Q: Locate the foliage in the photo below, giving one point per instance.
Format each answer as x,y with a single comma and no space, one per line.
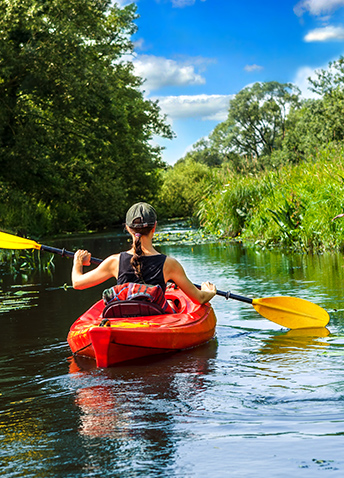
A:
75,129
257,121
257,117
205,152
232,204
183,187
277,165
292,206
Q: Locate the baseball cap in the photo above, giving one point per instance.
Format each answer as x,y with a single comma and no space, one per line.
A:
141,215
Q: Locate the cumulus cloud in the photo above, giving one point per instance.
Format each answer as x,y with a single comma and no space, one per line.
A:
301,80
205,107
161,72
250,68
317,7
328,33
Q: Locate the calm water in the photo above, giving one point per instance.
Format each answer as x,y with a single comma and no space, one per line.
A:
256,401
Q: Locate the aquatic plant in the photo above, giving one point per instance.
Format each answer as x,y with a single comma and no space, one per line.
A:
24,262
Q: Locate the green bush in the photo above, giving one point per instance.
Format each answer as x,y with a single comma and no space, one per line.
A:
182,189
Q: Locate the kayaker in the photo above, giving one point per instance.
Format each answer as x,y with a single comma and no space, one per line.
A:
142,263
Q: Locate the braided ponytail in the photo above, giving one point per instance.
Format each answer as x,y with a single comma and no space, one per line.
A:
136,259
138,252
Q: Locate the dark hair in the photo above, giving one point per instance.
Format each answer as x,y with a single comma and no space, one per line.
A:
138,253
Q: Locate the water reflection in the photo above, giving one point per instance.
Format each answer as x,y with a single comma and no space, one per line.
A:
136,404
194,413
294,342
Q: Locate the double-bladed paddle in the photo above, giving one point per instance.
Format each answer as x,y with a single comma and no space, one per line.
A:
289,312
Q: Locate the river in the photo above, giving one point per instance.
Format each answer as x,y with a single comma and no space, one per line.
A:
256,401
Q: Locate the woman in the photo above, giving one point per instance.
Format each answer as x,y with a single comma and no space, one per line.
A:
142,263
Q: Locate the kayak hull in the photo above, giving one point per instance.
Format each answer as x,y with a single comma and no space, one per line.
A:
129,338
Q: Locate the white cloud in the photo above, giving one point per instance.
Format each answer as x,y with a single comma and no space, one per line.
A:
301,80
205,107
317,7
250,68
160,72
324,34
139,44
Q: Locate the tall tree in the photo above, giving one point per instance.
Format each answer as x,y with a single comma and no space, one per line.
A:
75,129
257,118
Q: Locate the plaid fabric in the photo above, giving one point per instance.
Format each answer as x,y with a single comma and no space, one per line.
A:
133,291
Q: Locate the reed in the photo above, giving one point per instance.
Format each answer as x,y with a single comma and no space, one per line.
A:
25,262
292,206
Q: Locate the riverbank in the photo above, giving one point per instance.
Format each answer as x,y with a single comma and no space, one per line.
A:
292,206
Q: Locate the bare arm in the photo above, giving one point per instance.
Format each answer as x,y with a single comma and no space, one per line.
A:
107,269
174,271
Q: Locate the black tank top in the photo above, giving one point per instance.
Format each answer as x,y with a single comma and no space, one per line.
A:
152,270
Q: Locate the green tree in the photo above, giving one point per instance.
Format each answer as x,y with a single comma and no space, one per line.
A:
75,129
203,151
214,150
257,121
184,185
257,118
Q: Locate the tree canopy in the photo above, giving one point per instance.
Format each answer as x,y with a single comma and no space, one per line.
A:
254,129
257,117
75,129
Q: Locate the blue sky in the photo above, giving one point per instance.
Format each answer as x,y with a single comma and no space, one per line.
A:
196,54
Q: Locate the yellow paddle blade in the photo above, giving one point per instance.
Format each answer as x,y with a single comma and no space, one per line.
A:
291,312
7,241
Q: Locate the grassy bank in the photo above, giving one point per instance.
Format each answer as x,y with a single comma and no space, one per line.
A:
292,206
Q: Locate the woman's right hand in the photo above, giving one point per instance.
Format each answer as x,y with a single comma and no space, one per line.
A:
209,287
82,257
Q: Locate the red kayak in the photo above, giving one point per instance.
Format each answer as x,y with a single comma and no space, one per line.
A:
128,330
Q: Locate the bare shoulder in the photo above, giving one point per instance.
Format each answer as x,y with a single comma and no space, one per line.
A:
111,259
112,263
172,269
171,263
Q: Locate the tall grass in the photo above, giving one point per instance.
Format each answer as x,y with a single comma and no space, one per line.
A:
292,206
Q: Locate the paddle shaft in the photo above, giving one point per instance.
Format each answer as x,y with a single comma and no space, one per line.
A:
65,253
230,295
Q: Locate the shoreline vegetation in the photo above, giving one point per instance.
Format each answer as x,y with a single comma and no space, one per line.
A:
291,207
76,142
